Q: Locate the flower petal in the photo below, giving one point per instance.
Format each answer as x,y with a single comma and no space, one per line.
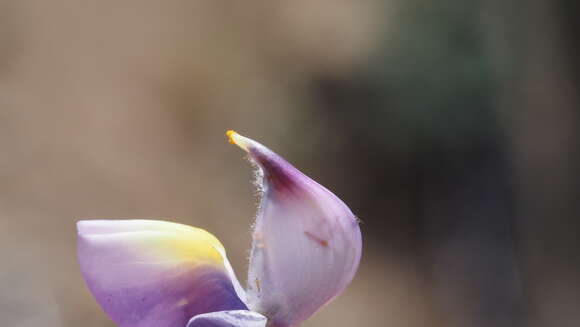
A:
236,318
306,242
148,273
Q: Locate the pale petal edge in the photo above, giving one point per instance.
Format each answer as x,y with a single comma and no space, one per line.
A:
235,318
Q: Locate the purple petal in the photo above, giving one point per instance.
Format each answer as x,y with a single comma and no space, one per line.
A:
306,242
153,273
237,318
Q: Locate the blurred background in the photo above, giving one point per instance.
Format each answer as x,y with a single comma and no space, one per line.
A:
450,128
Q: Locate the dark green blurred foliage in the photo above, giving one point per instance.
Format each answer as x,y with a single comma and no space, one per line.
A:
431,120
438,77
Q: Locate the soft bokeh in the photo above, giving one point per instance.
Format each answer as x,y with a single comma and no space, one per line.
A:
450,128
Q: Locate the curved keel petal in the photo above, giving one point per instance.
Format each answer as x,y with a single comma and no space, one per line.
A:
236,318
153,273
306,242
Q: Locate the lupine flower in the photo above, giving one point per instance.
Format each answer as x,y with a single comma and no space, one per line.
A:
306,249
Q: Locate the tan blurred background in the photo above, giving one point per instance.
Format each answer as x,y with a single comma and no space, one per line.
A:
450,127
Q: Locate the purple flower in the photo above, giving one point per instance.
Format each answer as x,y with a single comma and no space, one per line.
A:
305,251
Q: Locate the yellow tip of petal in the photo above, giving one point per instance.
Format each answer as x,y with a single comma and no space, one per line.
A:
230,134
241,141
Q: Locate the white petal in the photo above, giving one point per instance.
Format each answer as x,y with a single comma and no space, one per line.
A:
306,242
236,318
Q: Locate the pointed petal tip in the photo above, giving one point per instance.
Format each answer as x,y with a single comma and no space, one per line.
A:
278,173
243,142
230,134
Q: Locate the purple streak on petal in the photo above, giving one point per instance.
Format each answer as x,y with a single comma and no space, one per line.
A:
237,318
279,174
170,302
